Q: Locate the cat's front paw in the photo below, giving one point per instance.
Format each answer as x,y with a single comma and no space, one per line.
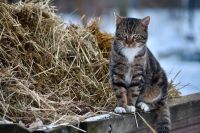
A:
130,109
143,106
120,110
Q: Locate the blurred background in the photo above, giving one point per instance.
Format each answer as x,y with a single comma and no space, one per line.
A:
173,31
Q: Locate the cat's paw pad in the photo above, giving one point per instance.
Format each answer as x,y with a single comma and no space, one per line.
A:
143,106
120,110
130,109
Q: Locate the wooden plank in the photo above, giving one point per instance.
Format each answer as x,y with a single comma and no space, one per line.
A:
12,128
183,110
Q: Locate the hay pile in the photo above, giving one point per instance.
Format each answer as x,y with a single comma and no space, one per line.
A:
49,72
104,39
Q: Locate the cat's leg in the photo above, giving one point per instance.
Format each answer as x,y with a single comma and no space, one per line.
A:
148,98
121,96
134,90
136,87
147,101
132,97
144,106
147,107
119,87
156,98
120,91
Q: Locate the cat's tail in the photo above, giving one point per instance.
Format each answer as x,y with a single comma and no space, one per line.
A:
163,121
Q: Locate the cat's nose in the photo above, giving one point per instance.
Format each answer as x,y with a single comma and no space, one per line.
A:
129,40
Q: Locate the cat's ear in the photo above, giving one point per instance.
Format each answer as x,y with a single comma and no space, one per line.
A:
118,18
145,21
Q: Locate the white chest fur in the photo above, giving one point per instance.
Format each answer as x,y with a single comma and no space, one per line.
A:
130,54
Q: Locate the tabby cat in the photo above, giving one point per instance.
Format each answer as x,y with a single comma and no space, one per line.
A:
136,76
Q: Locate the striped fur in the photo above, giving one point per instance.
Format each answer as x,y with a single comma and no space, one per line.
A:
136,76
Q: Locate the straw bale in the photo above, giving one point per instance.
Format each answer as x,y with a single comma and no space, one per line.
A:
48,71
104,39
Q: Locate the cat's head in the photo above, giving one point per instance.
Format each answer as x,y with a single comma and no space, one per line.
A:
131,32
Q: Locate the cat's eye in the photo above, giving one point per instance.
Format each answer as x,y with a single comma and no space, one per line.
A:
119,36
135,35
139,37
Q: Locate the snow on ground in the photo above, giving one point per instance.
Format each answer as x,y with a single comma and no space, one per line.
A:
168,33
98,117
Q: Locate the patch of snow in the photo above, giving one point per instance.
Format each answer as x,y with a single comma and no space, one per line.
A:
4,121
98,117
71,19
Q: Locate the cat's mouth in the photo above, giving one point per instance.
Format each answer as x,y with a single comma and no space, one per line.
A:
132,45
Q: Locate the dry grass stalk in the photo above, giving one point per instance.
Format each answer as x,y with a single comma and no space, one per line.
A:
174,88
104,39
143,119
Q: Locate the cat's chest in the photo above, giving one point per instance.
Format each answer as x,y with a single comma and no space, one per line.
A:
130,53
